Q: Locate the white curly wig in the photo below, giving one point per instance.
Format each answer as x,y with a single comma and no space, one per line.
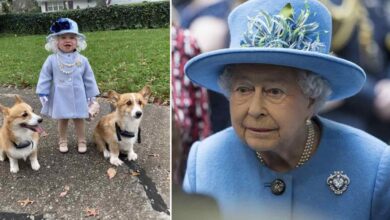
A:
312,86
52,44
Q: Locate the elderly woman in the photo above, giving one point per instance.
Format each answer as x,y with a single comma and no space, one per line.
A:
279,160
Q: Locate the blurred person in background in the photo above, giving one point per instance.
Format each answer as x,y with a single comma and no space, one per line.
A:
361,35
206,21
185,206
189,101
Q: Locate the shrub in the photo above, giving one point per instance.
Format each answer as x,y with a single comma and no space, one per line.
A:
133,16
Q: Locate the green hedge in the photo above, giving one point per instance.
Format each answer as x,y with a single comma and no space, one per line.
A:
133,16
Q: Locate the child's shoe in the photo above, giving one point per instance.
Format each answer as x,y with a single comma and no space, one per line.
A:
63,146
82,146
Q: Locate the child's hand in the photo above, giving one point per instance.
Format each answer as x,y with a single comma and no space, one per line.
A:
43,100
93,109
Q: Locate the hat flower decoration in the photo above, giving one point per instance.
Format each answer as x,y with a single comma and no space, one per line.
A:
59,25
64,26
282,31
289,33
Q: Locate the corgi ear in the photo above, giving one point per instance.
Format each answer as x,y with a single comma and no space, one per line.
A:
4,109
145,92
113,95
18,99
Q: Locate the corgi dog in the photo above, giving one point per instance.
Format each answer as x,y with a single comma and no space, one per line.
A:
19,134
118,131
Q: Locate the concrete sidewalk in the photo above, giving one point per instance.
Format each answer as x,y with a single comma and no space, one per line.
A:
140,190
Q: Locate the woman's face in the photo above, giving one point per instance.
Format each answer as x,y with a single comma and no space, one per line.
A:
268,108
67,43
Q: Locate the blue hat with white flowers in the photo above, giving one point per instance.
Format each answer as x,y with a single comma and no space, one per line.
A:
64,26
291,33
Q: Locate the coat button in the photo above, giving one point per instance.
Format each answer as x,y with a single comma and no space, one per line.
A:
278,187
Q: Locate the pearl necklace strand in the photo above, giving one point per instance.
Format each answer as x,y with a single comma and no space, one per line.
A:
306,154
61,65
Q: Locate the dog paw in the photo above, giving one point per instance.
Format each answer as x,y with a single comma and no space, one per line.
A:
106,154
14,169
35,165
116,161
132,156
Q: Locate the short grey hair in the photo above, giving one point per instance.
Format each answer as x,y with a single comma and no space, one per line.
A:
52,44
312,86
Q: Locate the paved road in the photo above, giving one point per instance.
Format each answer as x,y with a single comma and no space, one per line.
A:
126,196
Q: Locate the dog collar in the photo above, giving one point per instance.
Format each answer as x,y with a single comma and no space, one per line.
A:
124,133
23,144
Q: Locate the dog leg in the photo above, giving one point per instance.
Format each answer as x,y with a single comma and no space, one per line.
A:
34,161
101,145
106,154
132,155
114,154
13,164
2,156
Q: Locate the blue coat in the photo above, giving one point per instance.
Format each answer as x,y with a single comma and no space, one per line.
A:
67,93
223,167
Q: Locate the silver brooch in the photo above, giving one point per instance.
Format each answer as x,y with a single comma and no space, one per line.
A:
338,182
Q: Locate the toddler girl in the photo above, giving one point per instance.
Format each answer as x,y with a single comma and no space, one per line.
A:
66,85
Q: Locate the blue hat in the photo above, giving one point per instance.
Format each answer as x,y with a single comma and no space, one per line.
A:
291,33
64,26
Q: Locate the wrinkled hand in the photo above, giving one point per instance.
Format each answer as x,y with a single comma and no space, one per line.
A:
43,100
382,99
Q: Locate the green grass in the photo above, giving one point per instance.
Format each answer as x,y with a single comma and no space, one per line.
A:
123,60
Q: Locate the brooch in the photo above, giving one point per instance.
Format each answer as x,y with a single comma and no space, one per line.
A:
338,182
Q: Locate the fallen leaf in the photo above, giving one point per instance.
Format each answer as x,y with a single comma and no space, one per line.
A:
91,212
111,172
157,101
62,194
25,202
44,134
153,155
135,173
66,189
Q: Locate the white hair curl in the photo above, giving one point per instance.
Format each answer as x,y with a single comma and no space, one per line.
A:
52,44
312,86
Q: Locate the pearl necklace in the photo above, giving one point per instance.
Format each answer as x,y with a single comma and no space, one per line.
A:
61,65
306,154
